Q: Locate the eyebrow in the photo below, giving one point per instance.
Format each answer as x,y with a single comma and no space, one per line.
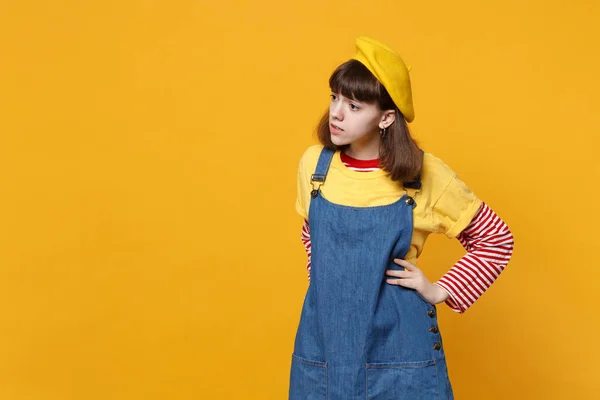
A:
354,100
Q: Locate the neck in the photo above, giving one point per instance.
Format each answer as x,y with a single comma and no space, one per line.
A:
366,149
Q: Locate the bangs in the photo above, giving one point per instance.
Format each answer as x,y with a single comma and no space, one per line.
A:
353,80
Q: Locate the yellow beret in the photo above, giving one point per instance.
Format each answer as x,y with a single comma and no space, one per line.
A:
390,71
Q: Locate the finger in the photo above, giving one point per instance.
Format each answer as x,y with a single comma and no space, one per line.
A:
399,274
405,264
408,283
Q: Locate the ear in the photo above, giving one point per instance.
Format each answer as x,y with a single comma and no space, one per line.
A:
387,118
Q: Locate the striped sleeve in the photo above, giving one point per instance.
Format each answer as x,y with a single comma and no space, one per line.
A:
489,244
305,236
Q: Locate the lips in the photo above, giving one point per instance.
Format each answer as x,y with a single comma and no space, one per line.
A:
335,129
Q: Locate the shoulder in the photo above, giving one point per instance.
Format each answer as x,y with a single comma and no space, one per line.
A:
440,182
310,157
452,203
435,174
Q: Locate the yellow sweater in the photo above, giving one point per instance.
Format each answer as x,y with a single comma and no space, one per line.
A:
444,204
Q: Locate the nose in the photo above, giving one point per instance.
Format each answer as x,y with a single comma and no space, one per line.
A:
336,111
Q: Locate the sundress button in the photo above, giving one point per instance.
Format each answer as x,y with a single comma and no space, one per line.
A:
437,346
434,329
410,201
313,193
431,313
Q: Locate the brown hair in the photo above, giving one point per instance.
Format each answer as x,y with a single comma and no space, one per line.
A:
399,153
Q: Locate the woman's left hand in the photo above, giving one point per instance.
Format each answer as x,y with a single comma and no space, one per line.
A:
413,278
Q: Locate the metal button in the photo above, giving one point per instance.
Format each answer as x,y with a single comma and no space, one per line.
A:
431,313
410,201
437,346
434,329
313,193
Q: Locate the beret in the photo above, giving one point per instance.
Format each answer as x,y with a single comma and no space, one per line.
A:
389,69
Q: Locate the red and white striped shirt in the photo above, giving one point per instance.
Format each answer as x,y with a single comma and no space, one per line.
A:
487,239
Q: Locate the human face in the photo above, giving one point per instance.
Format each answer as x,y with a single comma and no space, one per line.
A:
354,123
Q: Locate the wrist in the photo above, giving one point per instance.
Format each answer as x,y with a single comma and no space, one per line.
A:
441,294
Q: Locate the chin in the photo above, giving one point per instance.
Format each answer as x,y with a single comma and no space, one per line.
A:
338,141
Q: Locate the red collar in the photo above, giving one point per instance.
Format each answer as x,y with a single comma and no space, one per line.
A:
353,162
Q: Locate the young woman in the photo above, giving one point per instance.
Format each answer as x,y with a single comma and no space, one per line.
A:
370,197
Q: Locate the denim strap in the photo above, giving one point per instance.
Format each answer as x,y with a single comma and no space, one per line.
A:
322,166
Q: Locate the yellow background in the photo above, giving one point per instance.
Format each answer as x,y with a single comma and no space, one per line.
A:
149,245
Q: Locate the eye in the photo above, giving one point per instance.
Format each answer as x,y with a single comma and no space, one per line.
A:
333,96
354,107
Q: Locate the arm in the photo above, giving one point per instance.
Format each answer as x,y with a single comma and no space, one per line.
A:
489,244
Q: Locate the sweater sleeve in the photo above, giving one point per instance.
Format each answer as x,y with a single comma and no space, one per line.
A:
489,244
305,236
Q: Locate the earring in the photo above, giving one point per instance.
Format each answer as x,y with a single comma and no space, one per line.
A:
383,131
